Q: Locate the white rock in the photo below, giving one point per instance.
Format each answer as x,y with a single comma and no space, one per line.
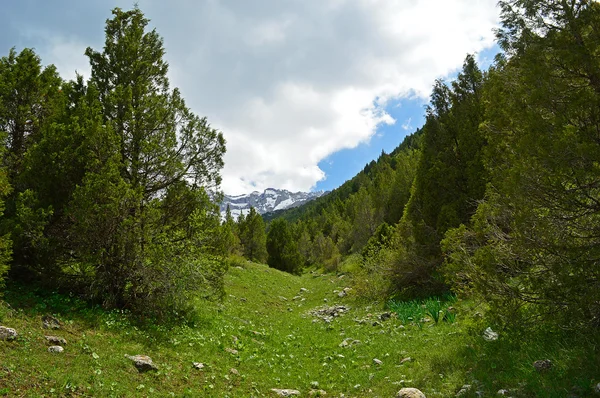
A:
56,340
490,335
7,333
286,392
464,390
143,363
198,365
377,361
56,349
410,393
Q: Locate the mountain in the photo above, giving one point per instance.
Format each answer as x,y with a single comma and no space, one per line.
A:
268,201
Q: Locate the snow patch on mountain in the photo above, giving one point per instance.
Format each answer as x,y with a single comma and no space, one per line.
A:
270,200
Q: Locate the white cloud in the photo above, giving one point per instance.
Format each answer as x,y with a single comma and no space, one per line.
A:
291,82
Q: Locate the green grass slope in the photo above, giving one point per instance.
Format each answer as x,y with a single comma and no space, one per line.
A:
264,336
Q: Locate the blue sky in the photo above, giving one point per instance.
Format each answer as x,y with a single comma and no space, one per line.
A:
409,114
305,92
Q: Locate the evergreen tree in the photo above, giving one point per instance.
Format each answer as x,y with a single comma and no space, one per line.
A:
282,248
253,236
143,226
533,249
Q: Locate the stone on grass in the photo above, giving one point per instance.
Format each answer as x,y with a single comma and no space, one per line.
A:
597,388
198,365
405,360
317,393
348,342
303,290
56,340
385,316
286,392
50,322
410,393
503,392
234,371
55,349
542,365
490,335
377,361
464,390
7,333
232,351
143,363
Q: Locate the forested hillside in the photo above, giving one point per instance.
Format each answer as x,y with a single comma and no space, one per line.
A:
497,194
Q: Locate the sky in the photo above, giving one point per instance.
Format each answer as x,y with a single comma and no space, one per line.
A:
306,92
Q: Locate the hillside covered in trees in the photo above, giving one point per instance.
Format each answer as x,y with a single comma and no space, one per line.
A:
496,195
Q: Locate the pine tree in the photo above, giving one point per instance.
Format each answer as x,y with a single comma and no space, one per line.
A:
282,248
143,220
253,236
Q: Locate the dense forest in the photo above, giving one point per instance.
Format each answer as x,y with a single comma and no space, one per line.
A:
109,184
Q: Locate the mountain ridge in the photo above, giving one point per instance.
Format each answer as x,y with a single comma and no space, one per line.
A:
271,199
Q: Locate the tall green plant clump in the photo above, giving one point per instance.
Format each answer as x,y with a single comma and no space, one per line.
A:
127,220
533,247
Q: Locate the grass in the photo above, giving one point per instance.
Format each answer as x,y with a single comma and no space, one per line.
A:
265,318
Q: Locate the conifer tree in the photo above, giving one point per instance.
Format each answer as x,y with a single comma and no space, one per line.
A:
143,221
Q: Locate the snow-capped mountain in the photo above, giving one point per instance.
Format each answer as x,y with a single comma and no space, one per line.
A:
270,200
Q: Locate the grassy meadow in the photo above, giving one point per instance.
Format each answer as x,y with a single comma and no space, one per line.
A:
263,335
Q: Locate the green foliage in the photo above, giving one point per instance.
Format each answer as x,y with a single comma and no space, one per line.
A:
5,242
532,247
414,311
109,177
253,237
282,248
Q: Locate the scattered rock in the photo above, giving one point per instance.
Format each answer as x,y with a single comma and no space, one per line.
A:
405,360
282,298
464,390
296,298
542,365
503,392
344,292
198,365
490,335
348,342
314,384
328,313
55,340
377,361
285,392
317,393
7,333
143,363
55,349
232,351
234,371
303,290
385,316
597,388
50,322
410,393
376,323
